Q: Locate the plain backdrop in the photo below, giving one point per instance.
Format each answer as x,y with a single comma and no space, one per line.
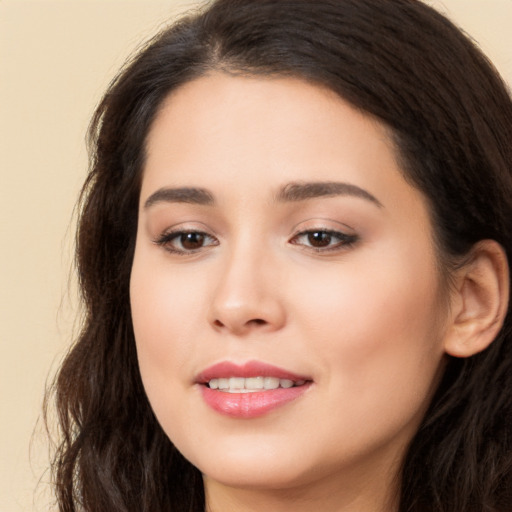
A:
56,59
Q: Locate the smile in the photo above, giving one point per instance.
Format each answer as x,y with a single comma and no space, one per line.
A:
249,390
252,384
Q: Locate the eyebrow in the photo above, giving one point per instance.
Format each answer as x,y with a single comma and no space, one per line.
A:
299,191
292,192
190,195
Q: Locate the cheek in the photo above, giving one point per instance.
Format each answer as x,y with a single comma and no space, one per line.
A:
374,334
165,313
376,326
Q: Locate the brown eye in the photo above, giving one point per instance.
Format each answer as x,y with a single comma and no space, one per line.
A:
324,240
192,241
319,238
186,242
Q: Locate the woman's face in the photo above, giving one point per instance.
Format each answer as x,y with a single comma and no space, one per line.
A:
279,245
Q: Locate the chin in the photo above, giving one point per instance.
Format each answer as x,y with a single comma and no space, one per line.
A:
255,477
251,465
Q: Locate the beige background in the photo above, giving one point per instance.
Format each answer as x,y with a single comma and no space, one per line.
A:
56,58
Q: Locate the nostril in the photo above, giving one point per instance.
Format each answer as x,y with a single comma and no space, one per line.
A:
253,322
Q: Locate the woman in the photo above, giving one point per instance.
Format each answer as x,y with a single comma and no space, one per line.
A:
293,250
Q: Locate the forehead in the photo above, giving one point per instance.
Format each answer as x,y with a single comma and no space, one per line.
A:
259,106
244,134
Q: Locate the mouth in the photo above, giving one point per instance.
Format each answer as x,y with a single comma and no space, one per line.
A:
252,384
250,390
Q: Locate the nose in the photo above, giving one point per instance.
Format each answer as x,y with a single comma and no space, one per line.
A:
247,298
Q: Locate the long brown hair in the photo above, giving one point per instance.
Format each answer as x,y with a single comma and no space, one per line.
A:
451,118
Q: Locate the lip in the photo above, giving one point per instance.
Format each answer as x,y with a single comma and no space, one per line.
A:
227,369
254,404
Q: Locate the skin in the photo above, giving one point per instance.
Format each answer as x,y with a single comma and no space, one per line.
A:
367,321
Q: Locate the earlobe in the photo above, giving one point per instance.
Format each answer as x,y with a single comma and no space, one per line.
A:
479,301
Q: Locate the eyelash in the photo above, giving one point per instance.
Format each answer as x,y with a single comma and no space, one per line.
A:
165,240
345,241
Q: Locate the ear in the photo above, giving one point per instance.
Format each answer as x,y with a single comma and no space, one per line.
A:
479,301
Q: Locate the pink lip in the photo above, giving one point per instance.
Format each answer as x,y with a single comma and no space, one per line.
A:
249,405
249,369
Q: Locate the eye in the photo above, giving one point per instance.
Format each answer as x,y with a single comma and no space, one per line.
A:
186,242
323,240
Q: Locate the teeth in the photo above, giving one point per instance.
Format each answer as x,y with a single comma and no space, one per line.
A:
223,384
254,383
251,384
236,383
270,382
